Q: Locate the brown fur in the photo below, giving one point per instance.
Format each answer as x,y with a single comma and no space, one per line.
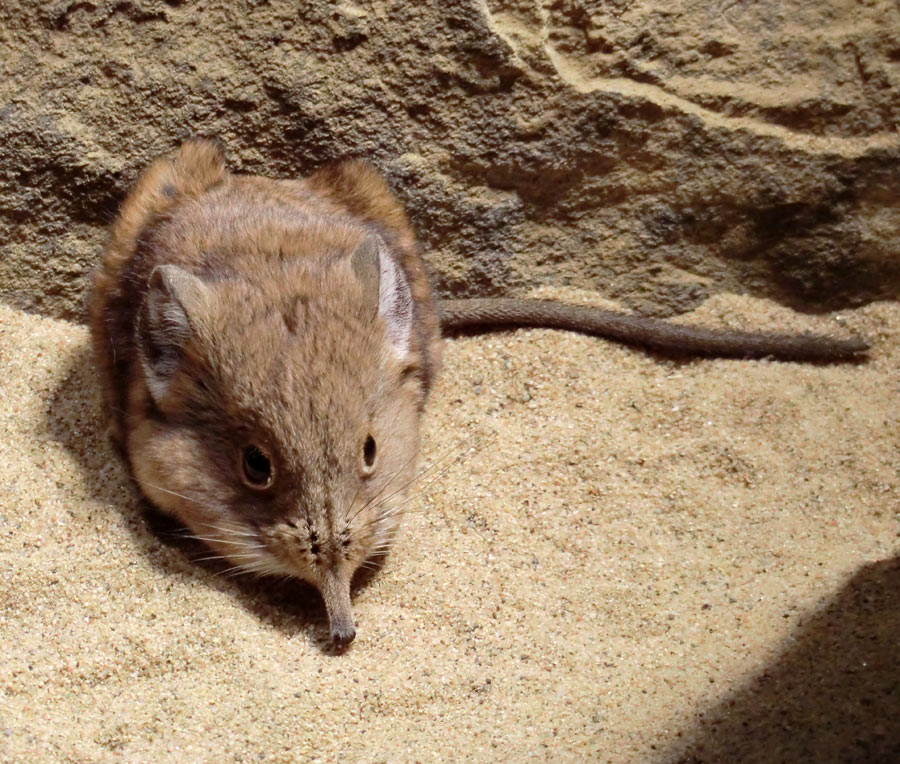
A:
283,352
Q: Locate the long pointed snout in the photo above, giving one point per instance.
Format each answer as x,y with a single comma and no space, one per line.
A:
335,591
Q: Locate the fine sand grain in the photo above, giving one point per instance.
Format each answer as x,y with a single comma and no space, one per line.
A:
629,556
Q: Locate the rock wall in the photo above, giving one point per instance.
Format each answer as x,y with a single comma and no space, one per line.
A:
654,151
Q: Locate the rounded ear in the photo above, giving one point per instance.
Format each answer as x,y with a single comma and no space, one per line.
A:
359,188
166,321
196,167
386,289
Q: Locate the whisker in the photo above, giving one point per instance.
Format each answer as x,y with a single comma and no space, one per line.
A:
243,544
239,568
440,462
386,537
256,566
355,497
393,477
179,495
398,509
236,530
437,474
435,471
388,533
222,557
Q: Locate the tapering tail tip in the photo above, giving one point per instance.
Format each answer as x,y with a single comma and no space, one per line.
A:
335,591
830,349
857,345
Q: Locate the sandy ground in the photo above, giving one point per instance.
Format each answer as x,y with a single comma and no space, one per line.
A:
641,560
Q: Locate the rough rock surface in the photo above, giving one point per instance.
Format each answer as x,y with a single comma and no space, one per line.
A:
656,152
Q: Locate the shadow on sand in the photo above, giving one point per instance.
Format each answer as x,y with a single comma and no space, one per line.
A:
832,696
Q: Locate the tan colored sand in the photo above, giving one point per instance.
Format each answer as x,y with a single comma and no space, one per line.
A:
634,542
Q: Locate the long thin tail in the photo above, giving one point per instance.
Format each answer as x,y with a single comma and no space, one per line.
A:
650,332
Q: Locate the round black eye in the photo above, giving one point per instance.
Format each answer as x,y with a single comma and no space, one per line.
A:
369,451
256,468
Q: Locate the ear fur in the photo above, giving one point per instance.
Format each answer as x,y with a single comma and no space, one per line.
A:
359,188
195,168
385,285
365,265
165,323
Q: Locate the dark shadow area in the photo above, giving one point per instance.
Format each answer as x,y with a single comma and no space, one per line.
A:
833,695
73,418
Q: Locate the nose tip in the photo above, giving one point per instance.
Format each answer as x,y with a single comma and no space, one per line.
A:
335,589
342,637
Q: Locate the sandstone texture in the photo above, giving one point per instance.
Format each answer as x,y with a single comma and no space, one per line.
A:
654,152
